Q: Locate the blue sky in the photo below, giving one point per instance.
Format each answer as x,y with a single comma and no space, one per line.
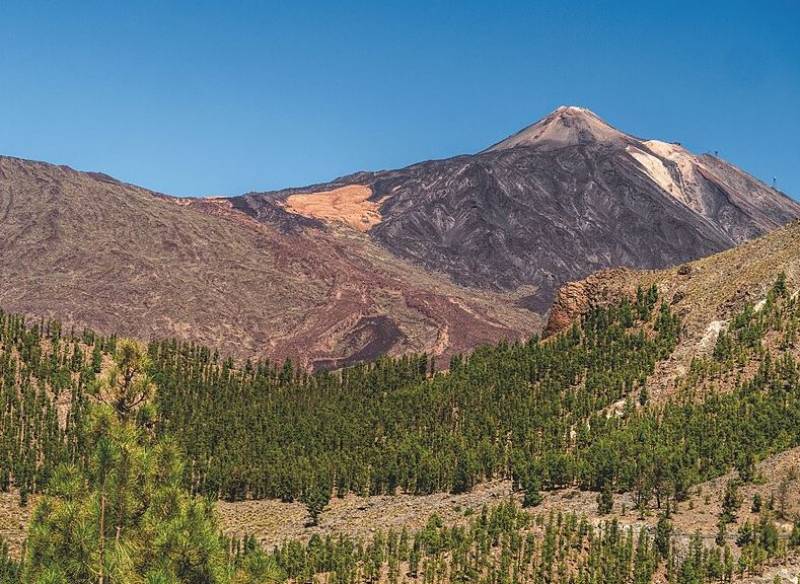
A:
194,98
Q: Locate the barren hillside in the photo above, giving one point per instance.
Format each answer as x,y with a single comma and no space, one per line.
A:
439,257
95,252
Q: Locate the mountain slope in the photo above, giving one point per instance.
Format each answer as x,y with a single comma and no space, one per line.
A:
704,290
93,251
707,294
558,200
566,126
440,256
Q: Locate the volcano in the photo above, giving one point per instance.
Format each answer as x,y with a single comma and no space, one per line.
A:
558,200
438,257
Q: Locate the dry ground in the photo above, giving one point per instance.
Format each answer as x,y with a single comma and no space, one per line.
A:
349,204
273,522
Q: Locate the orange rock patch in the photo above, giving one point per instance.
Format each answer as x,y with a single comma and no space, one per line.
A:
348,205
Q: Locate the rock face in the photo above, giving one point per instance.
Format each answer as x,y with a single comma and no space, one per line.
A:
561,199
575,299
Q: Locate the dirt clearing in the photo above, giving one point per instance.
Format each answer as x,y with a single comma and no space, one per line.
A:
349,205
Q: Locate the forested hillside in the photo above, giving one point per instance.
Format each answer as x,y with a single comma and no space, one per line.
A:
261,430
574,410
501,411
44,377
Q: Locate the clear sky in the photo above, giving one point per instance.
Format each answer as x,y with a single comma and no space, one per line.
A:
194,98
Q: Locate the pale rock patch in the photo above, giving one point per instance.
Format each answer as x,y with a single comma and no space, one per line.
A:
712,332
349,205
655,168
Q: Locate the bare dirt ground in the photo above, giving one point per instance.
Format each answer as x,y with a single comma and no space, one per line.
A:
14,520
778,478
349,205
273,522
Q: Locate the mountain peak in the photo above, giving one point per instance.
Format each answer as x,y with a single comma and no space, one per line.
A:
573,109
567,125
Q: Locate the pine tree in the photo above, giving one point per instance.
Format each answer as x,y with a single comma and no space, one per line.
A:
731,502
316,497
605,500
531,487
663,535
9,568
125,516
